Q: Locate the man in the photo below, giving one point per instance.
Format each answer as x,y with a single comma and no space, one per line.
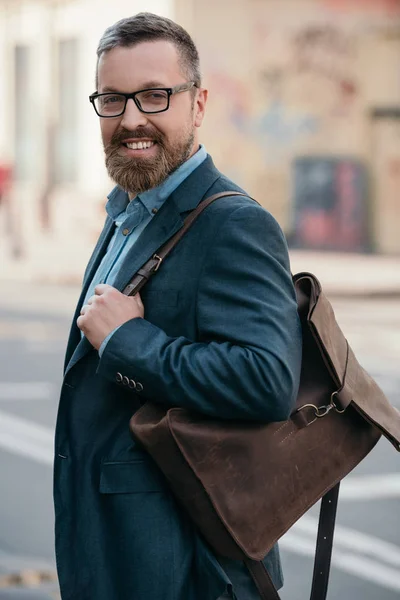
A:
215,330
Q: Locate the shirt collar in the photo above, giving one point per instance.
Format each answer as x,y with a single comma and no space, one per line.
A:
152,200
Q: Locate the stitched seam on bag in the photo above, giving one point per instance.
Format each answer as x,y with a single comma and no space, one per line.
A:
286,423
288,436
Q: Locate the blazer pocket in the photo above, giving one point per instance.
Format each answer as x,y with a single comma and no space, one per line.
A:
132,477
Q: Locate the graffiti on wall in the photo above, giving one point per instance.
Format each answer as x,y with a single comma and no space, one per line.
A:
328,53
275,125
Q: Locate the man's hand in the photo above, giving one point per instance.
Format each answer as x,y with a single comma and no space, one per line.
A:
105,311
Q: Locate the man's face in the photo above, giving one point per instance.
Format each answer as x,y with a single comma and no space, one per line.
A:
173,133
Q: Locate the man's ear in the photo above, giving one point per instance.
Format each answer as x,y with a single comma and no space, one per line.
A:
200,106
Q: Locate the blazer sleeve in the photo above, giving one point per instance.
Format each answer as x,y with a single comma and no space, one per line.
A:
246,362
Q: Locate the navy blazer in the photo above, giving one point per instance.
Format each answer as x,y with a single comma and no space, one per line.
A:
220,336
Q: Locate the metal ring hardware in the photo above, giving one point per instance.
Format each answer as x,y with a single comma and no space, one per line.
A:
322,411
334,405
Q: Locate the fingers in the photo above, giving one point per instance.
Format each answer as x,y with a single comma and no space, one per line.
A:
80,322
102,288
84,308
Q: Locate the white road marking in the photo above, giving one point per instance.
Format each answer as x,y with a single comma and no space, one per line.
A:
353,540
34,330
13,562
370,487
27,390
54,347
26,438
360,566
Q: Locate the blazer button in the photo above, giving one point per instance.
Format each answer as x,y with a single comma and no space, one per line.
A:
139,387
132,384
125,380
118,378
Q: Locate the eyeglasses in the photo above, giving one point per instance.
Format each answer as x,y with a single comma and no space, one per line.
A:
149,101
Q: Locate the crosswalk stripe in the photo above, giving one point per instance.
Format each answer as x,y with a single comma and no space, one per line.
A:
26,439
370,487
354,540
354,564
26,390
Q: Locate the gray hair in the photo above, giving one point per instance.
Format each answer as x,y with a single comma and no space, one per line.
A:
148,27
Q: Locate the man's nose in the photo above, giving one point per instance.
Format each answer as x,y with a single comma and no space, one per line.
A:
132,116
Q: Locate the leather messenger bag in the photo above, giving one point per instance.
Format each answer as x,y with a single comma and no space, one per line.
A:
277,471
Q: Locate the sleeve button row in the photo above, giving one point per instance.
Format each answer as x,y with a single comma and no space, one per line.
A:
134,385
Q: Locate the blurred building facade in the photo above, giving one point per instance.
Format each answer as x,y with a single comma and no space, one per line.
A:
304,112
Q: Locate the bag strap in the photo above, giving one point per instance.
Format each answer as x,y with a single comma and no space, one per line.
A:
153,264
323,554
327,516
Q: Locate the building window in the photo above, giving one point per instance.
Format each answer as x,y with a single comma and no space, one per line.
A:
24,142
66,131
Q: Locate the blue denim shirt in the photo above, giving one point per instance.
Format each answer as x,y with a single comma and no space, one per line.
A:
131,218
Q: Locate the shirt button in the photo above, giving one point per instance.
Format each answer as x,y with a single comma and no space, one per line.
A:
125,232
154,211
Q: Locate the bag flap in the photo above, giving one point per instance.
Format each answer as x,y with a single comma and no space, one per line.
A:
355,385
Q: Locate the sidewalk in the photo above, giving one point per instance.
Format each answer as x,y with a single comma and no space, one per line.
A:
343,275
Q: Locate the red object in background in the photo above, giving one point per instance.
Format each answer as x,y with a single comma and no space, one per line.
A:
330,204
5,179
317,228
349,228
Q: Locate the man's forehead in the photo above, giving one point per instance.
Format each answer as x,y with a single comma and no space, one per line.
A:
148,64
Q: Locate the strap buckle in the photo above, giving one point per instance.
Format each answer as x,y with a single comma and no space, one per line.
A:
156,257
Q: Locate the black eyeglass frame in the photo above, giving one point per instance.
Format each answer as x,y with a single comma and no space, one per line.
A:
177,89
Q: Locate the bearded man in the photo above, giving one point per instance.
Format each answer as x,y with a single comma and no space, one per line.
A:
215,331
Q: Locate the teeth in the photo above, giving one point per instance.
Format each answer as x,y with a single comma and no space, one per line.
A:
139,145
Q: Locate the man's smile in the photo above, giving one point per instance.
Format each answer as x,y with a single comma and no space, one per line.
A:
146,147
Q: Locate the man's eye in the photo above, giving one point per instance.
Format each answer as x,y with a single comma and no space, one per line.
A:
111,99
154,96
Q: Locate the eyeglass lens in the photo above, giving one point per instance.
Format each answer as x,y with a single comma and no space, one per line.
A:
149,101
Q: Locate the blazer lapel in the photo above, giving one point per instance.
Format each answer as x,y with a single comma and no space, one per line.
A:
166,222
76,344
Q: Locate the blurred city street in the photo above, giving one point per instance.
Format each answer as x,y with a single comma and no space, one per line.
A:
303,113
34,322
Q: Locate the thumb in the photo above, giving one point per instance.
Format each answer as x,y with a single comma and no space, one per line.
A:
139,300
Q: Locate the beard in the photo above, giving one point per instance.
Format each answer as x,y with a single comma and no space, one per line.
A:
136,175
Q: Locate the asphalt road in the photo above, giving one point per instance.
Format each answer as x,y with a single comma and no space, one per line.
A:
33,331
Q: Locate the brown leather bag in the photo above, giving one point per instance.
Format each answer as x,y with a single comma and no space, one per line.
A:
277,470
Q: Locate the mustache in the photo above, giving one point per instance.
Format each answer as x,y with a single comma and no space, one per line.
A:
143,132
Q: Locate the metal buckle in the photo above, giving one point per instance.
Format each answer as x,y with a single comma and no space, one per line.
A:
156,257
334,405
319,411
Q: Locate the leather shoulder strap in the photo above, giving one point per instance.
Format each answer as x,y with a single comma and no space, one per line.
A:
153,264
